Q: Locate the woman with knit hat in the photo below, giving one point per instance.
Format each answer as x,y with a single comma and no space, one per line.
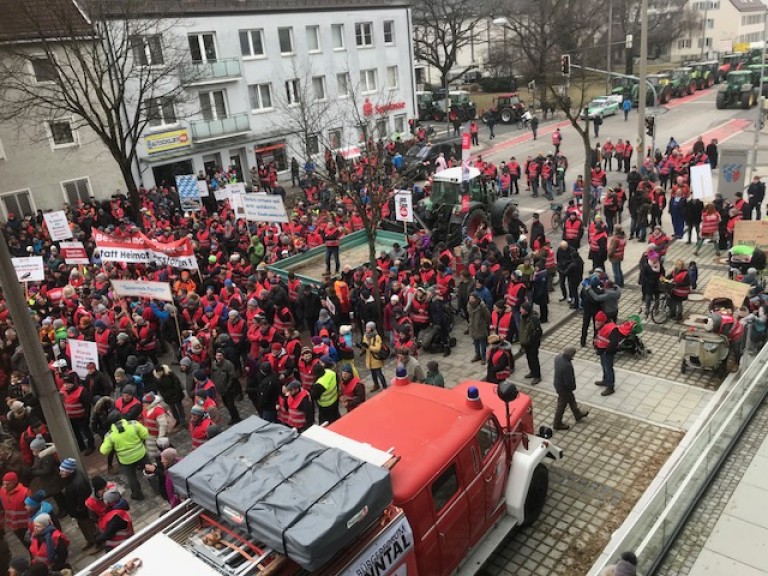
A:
168,458
48,544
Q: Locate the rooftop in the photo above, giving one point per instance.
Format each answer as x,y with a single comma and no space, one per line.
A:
749,5
31,20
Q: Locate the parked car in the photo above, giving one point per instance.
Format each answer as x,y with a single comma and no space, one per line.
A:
420,158
603,106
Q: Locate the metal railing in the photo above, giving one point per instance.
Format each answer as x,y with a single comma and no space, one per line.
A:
221,69
220,127
652,526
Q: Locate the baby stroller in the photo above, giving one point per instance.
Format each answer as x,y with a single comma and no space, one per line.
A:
704,350
631,341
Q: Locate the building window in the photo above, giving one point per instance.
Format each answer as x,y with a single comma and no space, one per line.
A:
400,121
710,23
392,77
318,86
147,50
202,47
261,96
707,42
292,91
313,144
313,38
382,128
43,69
334,138
160,111
368,80
285,37
337,36
76,190
364,34
342,83
213,104
252,43
389,31
684,43
61,134
18,203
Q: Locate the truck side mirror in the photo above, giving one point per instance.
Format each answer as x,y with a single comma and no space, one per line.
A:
507,391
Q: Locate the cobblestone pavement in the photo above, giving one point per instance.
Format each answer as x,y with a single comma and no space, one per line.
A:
697,529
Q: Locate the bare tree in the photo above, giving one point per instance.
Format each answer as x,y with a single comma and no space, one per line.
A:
442,28
109,69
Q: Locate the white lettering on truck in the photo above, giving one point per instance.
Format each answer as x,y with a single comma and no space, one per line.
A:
383,555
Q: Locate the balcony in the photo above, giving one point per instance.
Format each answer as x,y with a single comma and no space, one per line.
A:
203,130
211,71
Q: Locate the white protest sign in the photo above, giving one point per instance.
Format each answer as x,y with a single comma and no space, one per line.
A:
264,208
74,253
58,225
142,289
701,182
236,188
404,206
202,186
222,194
29,269
83,352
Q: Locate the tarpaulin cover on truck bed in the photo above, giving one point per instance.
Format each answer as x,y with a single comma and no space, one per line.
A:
295,495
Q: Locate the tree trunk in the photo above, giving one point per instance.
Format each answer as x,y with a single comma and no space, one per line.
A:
630,61
586,196
375,270
126,169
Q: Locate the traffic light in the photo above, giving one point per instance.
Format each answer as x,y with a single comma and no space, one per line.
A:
650,126
565,64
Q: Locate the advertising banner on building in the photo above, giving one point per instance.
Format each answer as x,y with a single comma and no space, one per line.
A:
83,352
733,168
404,206
73,253
138,249
189,193
164,141
142,289
264,208
58,225
29,269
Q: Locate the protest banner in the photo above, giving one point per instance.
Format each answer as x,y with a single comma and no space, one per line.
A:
29,269
73,253
264,208
751,233
138,249
189,194
58,225
142,289
701,182
83,352
222,194
720,287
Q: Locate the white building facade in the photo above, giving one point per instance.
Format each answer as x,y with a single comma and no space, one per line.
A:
253,66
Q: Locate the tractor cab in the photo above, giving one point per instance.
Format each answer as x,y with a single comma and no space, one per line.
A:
425,105
447,187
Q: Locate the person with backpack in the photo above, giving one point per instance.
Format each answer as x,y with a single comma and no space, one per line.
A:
375,354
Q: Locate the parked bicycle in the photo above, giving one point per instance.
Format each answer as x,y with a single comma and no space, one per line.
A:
556,222
662,309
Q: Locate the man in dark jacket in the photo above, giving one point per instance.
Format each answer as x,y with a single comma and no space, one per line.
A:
308,309
264,389
76,491
168,386
225,379
565,384
755,196
530,341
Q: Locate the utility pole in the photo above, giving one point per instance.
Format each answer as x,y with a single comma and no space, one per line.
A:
608,54
641,86
760,99
40,374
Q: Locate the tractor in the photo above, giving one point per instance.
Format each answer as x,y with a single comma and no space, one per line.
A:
507,109
460,103
683,82
731,62
756,70
705,73
425,102
663,85
739,89
624,87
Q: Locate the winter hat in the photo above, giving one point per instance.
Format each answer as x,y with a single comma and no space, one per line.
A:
37,444
98,483
346,368
401,372
370,326
122,337
185,362
18,407
432,366
168,454
344,330
43,520
201,375
149,398
293,385
327,360
163,443
129,389
119,373
111,497
10,477
197,411
68,465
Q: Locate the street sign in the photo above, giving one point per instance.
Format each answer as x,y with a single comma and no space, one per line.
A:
404,206
733,168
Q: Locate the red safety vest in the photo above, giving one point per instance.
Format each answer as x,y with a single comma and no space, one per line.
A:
293,289
595,239
38,547
150,419
295,417
123,407
731,327
72,404
682,286
102,342
618,249
283,319
16,516
572,229
198,432
236,330
550,261
501,323
96,505
419,312
121,535
515,294
710,223
603,337
305,373
331,236
495,358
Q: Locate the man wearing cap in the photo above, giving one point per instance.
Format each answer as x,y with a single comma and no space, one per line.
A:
116,524
565,384
12,496
501,363
199,422
224,377
126,439
76,492
325,391
295,408
77,405
413,369
352,389
17,418
204,386
128,405
606,345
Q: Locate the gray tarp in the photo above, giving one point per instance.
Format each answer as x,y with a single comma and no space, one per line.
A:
293,494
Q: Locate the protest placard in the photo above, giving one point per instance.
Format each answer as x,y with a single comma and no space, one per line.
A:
83,352
58,225
751,233
74,253
29,269
142,289
720,287
264,208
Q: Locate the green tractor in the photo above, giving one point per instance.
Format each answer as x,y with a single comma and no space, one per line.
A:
756,70
663,85
624,87
705,73
739,89
683,82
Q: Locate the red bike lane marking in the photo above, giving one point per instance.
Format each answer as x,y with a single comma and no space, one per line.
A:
685,99
722,132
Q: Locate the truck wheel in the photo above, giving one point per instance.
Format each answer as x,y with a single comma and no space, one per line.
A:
537,495
720,101
473,221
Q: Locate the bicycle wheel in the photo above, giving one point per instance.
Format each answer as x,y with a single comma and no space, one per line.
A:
660,311
557,222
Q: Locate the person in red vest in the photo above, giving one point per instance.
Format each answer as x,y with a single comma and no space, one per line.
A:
501,320
199,422
352,389
616,246
598,246
48,545
331,237
128,405
606,344
296,409
681,288
116,524
77,405
573,230
105,344
12,496
501,363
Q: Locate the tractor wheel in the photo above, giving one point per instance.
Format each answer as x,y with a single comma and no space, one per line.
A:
473,221
720,101
437,116
710,81
691,87
485,117
507,116
746,100
501,214
537,495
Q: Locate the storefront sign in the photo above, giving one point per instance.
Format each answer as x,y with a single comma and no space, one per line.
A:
189,193
142,289
138,249
264,208
369,108
58,225
82,353
348,152
751,233
733,168
74,253
29,269
163,141
404,206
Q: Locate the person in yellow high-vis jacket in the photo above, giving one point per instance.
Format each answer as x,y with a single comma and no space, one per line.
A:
325,391
126,439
